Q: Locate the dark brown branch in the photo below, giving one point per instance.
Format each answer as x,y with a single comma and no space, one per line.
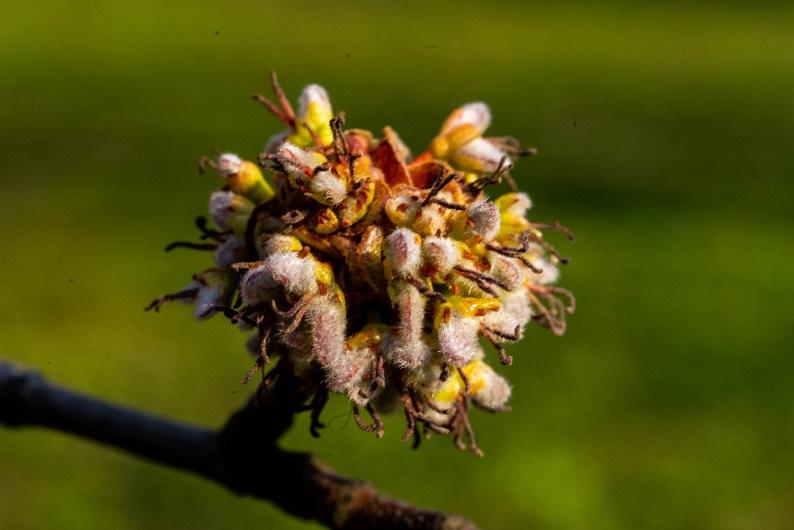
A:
241,456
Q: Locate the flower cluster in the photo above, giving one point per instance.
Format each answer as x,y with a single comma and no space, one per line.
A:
375,273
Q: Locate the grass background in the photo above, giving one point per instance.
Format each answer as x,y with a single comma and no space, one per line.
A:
665,133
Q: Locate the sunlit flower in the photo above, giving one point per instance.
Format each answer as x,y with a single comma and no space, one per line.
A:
371,273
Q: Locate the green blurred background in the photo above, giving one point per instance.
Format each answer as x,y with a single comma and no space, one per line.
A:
665,135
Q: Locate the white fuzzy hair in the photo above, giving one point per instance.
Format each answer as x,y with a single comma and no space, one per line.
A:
230,251
406,348
327,189
256,286
403,252
476,113
313,94
229,164
486,152
296,161
430,220
296,275
486,218
220,208
328,322
550,274
276,243
458,340
441,253
514,311
496,391
521,203
282,270
510,271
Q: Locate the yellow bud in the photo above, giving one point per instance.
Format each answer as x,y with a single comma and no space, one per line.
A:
355,205
464,306
400,209
250,182
440,147
469,177
467,163
326,222
370,337
325,274
476,372
461,135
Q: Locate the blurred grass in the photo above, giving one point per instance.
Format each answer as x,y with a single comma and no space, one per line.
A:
665,135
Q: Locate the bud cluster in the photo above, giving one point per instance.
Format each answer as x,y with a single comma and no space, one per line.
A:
377,274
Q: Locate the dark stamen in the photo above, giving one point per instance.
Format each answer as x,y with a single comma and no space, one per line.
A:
317,405
170,297
442,179
190,245
450,205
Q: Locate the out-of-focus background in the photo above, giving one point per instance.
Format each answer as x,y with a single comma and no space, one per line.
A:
665,135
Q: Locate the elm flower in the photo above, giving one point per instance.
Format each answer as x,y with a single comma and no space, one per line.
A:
391,279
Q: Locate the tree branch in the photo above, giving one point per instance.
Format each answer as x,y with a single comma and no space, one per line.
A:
241,456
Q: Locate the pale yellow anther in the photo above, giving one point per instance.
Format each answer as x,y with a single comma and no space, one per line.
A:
370,337
454,386
325,274
326,222
464,306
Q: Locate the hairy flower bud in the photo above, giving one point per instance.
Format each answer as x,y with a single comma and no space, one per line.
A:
460,141
327,320
402,252
405,347
245,178
441,254
230,211
485,219
491,390
314,115
230,251
214,290
458,341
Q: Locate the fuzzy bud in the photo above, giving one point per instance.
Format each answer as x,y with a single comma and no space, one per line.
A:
490,390
215,289
230,211
273,243
328,322
405,347
326,188
458,340
401,208
441,254
476,114
403,253
514,204
514,312
314,115
550,274
230,251
481,155
510,271
485,219
298,163
229,164
296,275
430,221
